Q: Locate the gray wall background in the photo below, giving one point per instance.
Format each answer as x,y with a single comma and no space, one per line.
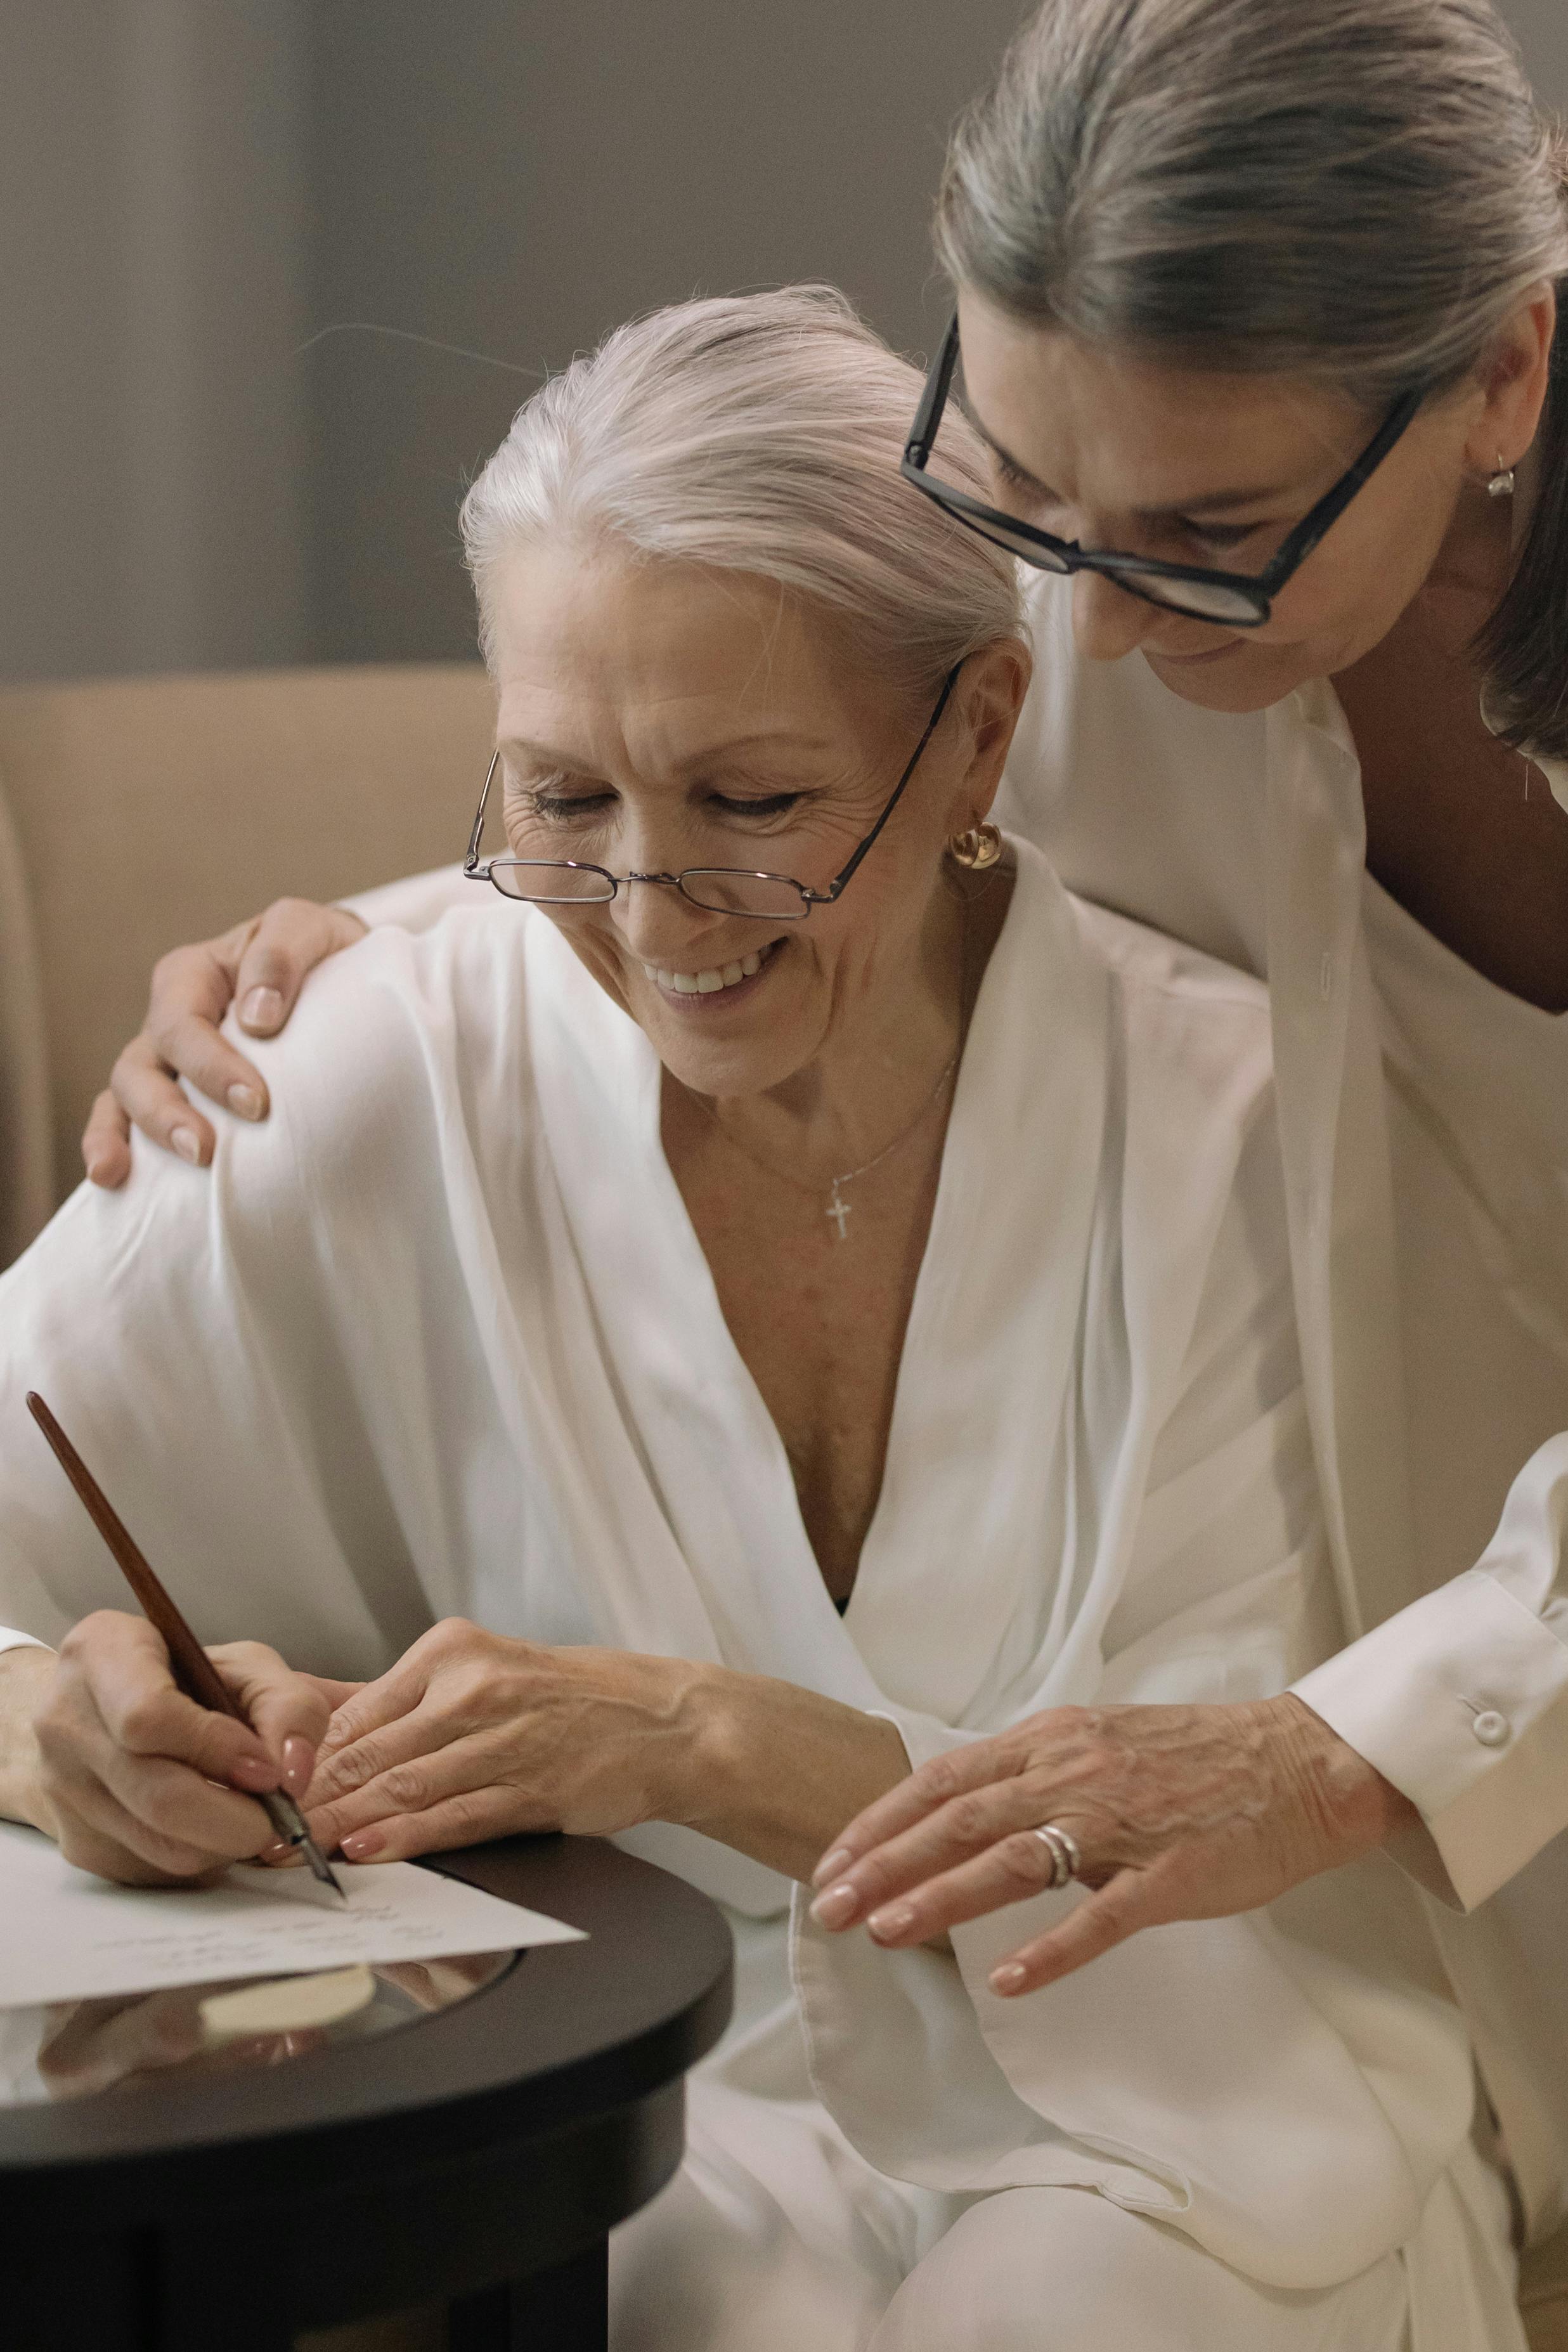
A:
194,190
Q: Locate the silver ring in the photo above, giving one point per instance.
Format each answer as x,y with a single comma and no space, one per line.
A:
1066,1861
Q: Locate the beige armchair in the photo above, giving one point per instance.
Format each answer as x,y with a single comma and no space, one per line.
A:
137,813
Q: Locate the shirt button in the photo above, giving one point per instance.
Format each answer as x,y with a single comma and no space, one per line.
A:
1491,1728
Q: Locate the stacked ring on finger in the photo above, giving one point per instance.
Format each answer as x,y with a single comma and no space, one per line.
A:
1066,1861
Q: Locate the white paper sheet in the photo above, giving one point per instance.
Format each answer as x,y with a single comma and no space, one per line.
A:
66,1935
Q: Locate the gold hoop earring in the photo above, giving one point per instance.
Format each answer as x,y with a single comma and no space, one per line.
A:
1501,484
979,850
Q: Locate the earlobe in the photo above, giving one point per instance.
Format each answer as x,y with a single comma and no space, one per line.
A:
977,850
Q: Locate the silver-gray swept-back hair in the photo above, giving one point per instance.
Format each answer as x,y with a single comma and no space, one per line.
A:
757,434
1355,193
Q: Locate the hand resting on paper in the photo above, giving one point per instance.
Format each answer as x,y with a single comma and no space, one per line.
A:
131,1779
1180,1812
473,1735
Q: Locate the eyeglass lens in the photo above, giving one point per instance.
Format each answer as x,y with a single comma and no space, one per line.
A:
1205,600
551,886
718,890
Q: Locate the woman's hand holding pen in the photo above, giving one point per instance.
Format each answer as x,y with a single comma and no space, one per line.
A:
134,1780
473,1735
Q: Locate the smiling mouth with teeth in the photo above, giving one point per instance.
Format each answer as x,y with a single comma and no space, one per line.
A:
714,979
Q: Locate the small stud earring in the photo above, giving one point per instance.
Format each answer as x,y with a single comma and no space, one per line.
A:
977,849
1502,483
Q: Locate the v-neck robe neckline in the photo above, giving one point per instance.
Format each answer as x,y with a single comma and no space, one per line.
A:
988,1323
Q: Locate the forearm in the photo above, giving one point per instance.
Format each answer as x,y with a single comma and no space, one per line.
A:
775,1770
25,1676
473,1734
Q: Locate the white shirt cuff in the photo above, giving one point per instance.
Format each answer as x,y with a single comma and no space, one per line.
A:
1461,1702
11,1640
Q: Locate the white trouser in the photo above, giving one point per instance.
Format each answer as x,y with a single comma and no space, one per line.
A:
776,2236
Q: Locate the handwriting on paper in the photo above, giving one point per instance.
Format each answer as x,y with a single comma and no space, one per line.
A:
71,1936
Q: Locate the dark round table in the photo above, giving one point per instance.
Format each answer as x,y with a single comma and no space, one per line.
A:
480,2154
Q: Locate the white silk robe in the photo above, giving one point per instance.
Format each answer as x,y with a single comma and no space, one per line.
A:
439,1339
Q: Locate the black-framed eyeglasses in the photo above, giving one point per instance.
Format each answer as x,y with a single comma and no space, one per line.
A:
1240,600
718,889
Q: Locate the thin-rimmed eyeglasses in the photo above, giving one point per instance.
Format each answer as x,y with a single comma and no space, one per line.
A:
718,889
1239,600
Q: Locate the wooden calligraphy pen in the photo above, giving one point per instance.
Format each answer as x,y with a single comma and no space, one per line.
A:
193,1671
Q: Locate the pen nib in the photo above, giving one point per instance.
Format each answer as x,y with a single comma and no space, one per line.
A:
289,1822
321,1868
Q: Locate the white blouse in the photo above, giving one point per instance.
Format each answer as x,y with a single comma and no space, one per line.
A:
1421,1114
1478,1103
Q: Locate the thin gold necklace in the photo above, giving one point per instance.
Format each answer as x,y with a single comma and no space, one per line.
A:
838,1209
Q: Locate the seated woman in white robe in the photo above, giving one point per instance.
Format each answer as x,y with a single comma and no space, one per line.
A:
684,1347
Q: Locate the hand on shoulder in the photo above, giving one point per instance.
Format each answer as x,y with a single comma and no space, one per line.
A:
261,964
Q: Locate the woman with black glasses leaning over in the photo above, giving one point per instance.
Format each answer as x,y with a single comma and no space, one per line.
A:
1257,306
1257,312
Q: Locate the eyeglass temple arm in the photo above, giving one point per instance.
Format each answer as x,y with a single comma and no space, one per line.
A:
846,873
934,399
471,863
1316,526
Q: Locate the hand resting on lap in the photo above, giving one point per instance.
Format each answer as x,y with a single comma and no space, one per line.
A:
1180,1812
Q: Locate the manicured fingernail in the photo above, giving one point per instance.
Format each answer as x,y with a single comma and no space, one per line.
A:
837,1908
97,1170
362,1843
298,1763
245,1102
1007,1978
188,1144
279,1851
831,1865
262,1009
255,1772
897,1920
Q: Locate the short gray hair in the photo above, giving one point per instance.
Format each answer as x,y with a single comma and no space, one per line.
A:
757,434
1355,193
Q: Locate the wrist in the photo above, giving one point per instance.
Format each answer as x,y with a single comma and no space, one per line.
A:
774,1769
1355,1808
705,1755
